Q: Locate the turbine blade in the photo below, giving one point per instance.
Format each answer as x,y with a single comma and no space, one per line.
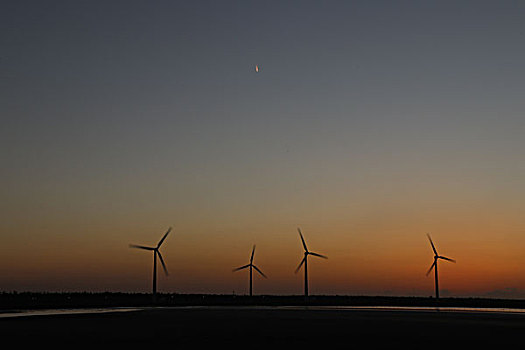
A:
445,258
319,255
253,252
141,247
162,262
257,269
163,238
301,264
431,267
302,239
240,268
432,244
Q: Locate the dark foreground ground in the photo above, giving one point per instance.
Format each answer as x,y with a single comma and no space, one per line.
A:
254,327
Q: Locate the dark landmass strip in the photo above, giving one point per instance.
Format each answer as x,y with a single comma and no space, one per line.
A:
27,300
256,328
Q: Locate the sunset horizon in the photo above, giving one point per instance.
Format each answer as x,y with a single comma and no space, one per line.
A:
367,124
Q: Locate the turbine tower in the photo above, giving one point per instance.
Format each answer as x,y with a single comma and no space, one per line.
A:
435,265
305,262
156,253
251,266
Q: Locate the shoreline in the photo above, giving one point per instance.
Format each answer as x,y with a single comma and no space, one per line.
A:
79,300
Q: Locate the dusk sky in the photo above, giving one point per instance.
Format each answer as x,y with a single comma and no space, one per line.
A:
368,125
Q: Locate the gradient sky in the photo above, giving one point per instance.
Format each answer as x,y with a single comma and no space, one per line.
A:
369,124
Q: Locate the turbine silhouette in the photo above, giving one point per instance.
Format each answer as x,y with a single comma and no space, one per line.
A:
305,262
435,265
251,266
156,253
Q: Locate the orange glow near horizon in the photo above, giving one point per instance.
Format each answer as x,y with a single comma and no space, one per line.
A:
391,262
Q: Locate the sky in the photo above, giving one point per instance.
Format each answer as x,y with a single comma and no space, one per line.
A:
368,125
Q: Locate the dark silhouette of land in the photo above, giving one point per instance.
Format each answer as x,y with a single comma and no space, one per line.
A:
27,300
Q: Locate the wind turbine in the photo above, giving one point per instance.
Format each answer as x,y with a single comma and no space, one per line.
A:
156,253
251,266
435,265
305,262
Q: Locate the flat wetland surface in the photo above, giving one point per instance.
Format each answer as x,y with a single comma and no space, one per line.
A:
252,326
